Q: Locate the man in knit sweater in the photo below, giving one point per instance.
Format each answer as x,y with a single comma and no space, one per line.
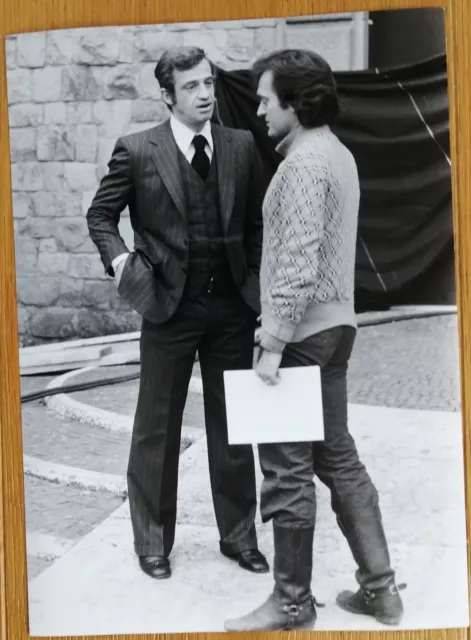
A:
310,216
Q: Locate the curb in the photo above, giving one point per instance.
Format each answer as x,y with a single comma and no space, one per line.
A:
75,476
68,407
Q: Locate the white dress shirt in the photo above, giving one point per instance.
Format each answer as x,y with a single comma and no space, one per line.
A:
184,140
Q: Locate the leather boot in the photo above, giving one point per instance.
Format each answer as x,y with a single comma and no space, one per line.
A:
384,604
378,595
291,604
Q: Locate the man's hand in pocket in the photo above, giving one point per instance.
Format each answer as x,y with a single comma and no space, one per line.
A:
118,267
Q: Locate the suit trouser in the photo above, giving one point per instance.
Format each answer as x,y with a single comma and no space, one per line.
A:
221,329
288,493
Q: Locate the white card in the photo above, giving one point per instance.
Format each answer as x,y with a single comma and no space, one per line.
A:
290,411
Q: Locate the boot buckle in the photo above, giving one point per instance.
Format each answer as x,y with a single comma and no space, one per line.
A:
292,611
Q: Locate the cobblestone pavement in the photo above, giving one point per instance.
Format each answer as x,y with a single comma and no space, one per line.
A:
410,364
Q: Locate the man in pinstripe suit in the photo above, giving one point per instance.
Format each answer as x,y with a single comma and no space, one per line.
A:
194,191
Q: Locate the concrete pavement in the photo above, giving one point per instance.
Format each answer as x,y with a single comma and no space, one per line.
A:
415,459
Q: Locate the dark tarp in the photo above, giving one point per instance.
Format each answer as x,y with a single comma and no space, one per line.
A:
395,122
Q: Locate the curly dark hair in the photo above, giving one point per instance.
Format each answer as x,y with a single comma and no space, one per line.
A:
179,59
303,80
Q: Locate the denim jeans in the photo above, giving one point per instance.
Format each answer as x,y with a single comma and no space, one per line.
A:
288,493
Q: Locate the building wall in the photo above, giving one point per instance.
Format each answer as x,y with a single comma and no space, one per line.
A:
71,94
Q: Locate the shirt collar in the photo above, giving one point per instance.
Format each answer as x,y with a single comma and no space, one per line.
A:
184,136
297,136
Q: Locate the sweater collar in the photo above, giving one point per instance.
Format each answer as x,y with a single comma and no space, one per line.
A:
297,136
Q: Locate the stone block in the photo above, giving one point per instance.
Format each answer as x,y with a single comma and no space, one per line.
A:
23,320
27,176
97,294
262,22
22,205
126,40
241,46
46,84
53,263
55,113
80,176
86,266
87,198
10,51
57,204
54,179
55,323
243,38
223,24
81,83
19,85
31,49
25,115
71,292
136,127
26,264
334,42
96,47
26,246
87,246
213,41
150,44
105,150
80,112
56,142
48,245
70,233
35,228
265,39
183,26
88,323
148,86
86,143
113,116
121,82
149,111
23,144
40,292
61,46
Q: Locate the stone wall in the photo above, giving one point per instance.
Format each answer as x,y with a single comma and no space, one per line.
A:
71,94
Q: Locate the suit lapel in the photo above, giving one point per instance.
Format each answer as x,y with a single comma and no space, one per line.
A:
165,157
225,160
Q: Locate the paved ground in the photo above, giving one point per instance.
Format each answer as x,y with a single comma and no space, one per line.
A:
410,364
423,514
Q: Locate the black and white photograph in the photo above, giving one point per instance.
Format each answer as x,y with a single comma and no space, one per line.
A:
237,318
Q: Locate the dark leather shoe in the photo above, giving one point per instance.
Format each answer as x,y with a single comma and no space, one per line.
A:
251,560
157,567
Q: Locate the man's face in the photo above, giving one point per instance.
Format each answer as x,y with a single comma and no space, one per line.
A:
193,100
280,121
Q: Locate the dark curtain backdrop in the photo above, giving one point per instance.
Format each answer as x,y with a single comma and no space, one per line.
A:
395,122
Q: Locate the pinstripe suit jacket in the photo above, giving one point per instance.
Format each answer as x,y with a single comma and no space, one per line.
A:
144,175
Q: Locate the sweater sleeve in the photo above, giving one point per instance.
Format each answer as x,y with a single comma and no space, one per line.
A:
299,227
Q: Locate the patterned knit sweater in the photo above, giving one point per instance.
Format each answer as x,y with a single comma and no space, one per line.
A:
310,215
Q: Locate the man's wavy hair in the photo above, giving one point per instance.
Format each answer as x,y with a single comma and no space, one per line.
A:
178,59
303,80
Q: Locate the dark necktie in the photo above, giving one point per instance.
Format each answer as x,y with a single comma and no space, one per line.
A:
200,161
